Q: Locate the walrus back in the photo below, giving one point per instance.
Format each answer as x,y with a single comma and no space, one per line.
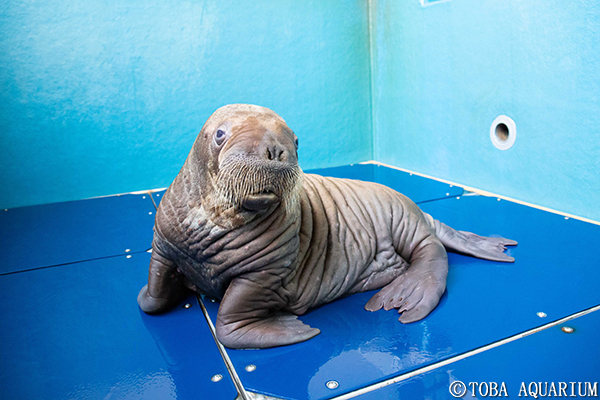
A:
347,239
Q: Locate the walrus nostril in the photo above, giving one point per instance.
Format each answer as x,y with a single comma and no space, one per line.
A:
275,153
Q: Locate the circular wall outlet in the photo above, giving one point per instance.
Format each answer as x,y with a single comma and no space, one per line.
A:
503,132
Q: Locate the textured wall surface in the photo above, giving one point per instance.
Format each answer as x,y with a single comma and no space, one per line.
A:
444,72
98,98
105,98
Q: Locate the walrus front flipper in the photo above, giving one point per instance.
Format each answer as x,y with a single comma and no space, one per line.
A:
165,286
488,248
248,318
418,290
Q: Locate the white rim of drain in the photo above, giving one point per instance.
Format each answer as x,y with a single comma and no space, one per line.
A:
503,132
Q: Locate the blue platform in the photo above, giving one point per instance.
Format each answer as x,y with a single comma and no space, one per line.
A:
485,302
74,231
417,188
76,331
73,328
550,356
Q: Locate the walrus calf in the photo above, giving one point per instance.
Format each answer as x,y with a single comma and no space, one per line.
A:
242,223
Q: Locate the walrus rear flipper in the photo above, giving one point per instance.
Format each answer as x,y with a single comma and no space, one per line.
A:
248,316
488,248
417,291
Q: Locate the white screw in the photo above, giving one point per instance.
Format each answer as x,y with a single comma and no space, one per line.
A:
566,217
567,329
216,378
187,305
250,367
542,314
129,256
150,213
332,384
127,250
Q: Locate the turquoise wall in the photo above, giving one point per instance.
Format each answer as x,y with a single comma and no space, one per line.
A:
98,98
104,98
444,72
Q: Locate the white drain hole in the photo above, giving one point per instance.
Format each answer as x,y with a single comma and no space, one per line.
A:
503,132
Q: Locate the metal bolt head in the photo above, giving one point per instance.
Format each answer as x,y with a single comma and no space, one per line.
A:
216,378
567,329
250,367
127,250
150,213
187,305
332,385
129,256
542,314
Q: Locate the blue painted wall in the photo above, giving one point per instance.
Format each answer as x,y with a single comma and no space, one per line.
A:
444,72
98,98
103,98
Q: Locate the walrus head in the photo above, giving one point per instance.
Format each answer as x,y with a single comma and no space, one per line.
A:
246,161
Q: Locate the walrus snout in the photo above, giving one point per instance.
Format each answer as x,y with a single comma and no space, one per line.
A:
267,147
255,183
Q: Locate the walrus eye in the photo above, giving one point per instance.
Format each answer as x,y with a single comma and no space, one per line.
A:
296,142
220,136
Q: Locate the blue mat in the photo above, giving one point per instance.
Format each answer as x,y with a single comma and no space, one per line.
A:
74,231
528,366
415,187
485,302
77,332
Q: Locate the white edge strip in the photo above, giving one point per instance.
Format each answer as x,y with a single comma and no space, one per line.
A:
485,193
234,376
451,360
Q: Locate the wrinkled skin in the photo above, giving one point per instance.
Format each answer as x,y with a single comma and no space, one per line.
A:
242,223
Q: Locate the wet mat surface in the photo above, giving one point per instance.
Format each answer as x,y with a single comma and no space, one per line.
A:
74,231
485,302
547,363
76,331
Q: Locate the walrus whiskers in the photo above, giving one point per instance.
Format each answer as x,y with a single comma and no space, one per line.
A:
240,177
